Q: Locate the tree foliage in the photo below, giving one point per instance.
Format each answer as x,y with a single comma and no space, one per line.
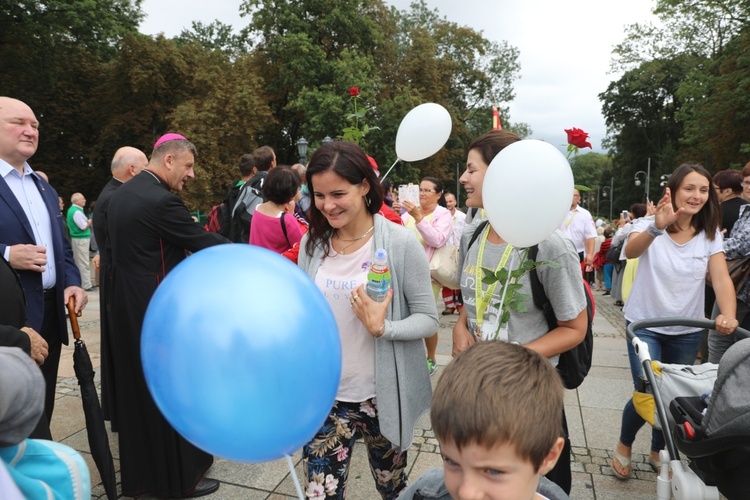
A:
682,95
97,84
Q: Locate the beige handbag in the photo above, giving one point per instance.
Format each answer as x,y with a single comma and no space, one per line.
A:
444,266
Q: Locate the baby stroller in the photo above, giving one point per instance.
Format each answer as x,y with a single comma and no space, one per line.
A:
712,433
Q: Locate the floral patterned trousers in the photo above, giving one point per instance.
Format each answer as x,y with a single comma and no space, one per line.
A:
326,457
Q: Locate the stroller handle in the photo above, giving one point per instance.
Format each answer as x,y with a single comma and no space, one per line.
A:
706,324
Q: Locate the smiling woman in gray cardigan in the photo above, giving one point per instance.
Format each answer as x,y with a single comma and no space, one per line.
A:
385,385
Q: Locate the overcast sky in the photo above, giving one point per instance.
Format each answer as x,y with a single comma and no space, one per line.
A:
565,49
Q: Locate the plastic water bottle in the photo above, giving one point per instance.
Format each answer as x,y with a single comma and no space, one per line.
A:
379,277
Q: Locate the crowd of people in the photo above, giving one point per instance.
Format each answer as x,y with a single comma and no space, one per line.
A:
330,217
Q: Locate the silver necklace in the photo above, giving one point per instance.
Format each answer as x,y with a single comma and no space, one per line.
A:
342,251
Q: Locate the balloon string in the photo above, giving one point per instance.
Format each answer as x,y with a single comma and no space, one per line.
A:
294,477
389,170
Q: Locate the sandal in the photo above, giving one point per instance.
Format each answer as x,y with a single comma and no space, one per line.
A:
624,463
448,311
655,464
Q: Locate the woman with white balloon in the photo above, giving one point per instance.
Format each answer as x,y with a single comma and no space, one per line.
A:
432,223
534,184
385,385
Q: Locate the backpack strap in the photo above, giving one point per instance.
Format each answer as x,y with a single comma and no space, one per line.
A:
283,228
477,232
538,294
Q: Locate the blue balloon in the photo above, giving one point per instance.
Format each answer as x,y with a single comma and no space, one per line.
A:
241,353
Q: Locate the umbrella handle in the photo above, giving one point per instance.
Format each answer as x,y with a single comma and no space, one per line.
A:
73,318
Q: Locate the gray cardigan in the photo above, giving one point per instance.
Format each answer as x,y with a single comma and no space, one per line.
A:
402,382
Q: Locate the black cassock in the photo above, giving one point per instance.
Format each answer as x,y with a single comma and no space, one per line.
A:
105,257
150,231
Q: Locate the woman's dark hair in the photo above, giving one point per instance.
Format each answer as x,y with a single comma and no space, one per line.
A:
729,179
638,210
280,185
709,217
438,189
386,185
348,161
491,143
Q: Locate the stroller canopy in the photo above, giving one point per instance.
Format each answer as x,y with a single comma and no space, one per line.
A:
728,411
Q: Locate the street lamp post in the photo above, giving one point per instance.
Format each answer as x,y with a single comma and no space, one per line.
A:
302,150
326,140
609,191
647,175
664,178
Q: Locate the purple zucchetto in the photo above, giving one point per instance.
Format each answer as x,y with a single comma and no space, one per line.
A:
167,138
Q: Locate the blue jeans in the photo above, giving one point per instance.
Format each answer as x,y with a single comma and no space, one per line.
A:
673,349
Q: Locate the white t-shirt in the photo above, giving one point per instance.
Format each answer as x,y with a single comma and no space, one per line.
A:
578,226
459,223
338,276
671,279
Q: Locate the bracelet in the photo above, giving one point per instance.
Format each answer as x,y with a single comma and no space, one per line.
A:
380,332
653,231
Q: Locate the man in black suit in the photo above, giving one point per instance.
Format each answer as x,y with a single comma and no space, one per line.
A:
33,241
151,231
126,164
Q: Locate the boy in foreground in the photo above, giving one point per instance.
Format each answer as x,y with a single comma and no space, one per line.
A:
496,414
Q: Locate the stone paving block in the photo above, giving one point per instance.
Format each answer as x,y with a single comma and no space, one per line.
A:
603,430
80,442
612,488
286,488
582,486
603,327
610,372
605,393
575,426
424,462
264,476
67,417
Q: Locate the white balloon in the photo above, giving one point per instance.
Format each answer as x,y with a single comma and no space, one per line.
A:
423,131
527,192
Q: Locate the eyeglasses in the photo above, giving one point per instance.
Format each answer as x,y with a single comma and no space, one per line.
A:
425,191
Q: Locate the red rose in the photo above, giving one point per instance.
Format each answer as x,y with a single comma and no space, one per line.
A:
354,91
577,138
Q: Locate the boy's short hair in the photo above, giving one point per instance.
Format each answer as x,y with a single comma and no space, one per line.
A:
495,393
264,157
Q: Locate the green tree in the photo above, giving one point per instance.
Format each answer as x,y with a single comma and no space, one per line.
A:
215,36
640,112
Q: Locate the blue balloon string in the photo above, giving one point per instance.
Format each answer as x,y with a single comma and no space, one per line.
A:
294,477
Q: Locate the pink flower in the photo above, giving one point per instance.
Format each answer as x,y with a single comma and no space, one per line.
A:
331,484
367,409
342,454
315,491
383,476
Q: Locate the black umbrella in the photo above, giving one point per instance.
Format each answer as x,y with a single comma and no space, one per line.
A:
98,440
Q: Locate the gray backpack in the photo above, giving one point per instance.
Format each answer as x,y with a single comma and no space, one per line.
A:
242,215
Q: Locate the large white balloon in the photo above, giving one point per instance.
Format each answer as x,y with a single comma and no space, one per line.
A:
527,192
423,131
